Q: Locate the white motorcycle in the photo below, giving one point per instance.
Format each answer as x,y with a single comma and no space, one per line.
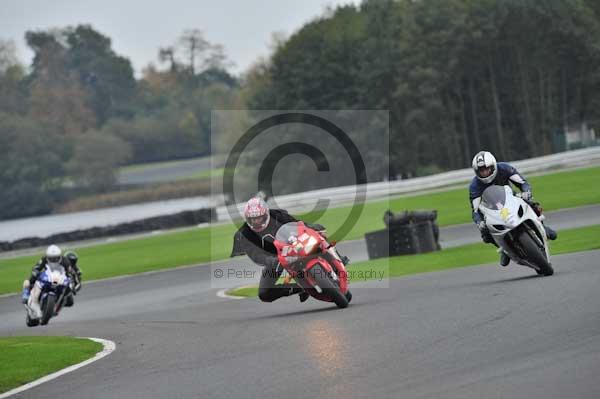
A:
516,228
48,295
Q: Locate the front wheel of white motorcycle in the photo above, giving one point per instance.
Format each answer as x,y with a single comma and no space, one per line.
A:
535,254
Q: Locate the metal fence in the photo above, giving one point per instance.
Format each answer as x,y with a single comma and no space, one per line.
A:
305,201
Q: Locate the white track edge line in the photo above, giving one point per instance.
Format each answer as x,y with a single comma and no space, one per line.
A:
223,294
108,348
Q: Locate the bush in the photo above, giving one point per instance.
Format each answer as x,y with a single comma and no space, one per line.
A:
95,158
31,167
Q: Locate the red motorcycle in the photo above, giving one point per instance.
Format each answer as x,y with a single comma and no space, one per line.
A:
313,263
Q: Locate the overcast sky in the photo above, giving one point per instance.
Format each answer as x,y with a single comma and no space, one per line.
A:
138,27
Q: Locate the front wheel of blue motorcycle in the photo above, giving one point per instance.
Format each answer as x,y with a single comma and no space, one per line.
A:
48,309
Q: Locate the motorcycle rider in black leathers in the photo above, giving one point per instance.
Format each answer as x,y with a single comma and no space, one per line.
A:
255,239
75,274
489,172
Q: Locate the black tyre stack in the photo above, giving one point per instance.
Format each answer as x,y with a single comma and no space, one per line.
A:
407,232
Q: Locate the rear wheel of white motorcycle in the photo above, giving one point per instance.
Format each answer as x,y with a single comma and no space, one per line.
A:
48,310
328,286
536,254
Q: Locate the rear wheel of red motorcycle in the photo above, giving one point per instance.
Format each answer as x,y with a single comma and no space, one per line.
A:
329,287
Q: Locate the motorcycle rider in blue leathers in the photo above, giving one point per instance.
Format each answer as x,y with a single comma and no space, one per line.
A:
489,172
54,255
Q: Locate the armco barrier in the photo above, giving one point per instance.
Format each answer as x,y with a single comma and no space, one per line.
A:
337,195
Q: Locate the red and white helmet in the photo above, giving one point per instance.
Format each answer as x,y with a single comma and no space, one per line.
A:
256,213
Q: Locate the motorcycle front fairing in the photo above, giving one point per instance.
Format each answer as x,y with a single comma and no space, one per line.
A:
52,281
504,213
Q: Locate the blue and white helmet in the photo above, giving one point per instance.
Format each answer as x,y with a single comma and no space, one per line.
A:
484,165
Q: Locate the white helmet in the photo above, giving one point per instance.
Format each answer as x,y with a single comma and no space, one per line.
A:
484,165
53,254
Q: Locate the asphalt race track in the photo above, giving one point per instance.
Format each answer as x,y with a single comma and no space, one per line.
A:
476,332
165,173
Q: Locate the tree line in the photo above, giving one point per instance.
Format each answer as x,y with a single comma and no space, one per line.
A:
78,112
457,75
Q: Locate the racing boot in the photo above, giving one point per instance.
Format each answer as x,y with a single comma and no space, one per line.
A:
303,296
550,233
504,259
69,300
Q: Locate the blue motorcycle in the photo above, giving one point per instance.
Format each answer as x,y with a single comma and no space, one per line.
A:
48,295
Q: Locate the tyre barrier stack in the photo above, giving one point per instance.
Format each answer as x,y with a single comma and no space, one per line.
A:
406,233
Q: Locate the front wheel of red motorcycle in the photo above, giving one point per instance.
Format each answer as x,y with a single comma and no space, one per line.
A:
329,287
348,296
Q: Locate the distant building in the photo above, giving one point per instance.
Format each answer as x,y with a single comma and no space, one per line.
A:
574,137
582,136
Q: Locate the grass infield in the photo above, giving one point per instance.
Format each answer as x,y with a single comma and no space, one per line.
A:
25,359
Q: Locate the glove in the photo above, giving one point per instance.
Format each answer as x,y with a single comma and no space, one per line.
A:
25,295
481,226
526,195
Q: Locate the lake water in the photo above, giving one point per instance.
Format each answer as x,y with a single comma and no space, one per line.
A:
43,226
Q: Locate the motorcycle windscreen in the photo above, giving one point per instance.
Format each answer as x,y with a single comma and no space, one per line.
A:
56,267
287,233
494,197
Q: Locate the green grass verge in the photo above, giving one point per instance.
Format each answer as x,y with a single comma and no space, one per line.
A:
574,240
245,291
133,256
213,243
25,359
